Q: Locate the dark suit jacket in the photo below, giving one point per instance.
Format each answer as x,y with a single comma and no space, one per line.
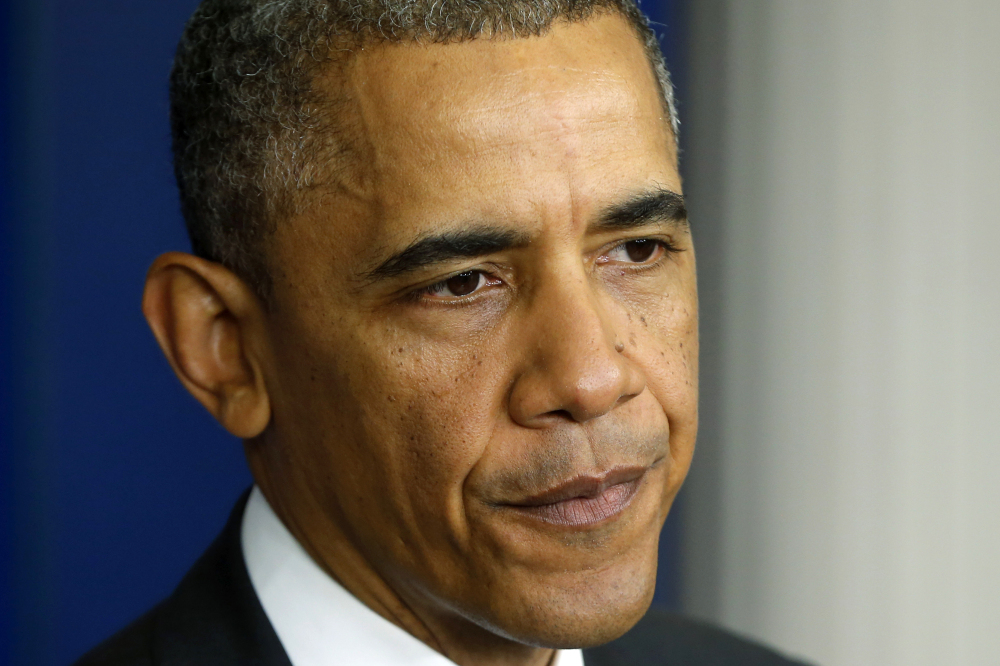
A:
213,618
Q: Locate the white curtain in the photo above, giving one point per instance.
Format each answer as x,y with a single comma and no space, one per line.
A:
844,172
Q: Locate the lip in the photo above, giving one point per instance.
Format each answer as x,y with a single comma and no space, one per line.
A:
584,501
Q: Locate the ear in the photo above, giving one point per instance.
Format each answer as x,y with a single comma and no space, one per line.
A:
211,327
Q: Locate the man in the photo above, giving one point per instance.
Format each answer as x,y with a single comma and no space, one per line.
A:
443,287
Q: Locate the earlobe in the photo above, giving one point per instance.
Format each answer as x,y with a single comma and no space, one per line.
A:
210,326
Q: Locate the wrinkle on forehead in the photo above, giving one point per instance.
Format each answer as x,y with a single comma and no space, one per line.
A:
564,114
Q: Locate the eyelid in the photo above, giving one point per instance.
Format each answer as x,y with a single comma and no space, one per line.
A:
665,242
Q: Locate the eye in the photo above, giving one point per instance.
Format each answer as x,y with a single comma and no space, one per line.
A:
639,251
459,286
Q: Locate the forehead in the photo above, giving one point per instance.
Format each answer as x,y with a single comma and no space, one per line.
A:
503,127
458,84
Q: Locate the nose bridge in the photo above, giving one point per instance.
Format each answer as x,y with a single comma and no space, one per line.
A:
574,323
575,366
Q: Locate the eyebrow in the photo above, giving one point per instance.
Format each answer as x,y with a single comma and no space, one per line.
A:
652,207
448,246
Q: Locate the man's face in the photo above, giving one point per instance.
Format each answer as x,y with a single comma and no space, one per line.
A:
483,365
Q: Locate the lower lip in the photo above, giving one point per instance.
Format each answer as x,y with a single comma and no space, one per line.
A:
586,511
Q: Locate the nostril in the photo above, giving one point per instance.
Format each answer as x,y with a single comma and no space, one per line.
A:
625,398
562,414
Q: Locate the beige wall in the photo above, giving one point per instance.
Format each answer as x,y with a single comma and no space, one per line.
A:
844,171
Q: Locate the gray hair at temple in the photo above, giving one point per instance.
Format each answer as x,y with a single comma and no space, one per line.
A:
250,130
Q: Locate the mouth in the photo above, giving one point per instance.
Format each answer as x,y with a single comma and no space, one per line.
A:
584,500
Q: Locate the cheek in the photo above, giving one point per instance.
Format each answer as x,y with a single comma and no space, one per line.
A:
425,414
663,340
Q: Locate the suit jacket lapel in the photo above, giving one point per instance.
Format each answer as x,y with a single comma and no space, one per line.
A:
214,617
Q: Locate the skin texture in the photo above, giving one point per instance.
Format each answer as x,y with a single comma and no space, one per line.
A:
398,429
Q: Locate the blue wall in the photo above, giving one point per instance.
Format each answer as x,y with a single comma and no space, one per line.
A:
117,478
112,479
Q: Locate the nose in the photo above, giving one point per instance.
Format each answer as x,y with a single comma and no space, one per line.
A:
575,367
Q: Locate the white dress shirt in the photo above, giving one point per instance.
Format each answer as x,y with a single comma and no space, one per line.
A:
318,622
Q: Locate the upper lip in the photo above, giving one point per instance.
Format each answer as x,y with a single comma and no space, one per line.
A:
586,486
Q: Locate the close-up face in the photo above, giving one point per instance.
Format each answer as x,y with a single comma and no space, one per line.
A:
482,360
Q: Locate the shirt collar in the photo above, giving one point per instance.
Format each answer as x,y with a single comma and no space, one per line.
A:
318,622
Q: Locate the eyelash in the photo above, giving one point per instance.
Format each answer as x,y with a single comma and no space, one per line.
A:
669,246
420,295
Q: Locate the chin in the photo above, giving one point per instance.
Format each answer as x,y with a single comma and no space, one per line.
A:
576,609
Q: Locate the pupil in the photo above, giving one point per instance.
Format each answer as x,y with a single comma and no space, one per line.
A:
463,284
640,250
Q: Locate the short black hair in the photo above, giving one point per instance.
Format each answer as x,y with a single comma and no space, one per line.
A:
245,118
